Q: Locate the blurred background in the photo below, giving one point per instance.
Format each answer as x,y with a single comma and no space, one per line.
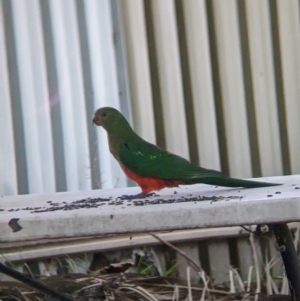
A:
217,82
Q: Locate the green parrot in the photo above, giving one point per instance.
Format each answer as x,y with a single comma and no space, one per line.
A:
151,167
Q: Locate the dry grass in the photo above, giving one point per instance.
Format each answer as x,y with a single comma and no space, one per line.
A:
128,287
124,281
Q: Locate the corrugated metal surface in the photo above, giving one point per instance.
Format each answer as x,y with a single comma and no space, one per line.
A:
212,81
58,64
229,71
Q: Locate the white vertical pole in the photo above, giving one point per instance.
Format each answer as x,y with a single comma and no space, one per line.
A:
232,86
202,85
8,176
169,69
71,96
34,95
289,31
104,79
262,71
139,69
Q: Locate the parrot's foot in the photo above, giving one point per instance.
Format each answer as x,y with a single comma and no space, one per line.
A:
136,196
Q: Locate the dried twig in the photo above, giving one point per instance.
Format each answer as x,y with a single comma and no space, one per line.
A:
258,286
192,263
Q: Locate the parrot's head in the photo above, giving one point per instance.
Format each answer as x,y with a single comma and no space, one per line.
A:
110,119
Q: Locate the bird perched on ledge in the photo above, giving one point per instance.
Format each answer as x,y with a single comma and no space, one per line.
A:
151,167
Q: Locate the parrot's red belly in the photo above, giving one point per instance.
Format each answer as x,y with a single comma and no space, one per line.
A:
150,184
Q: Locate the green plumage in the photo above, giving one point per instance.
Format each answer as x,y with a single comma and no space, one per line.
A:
149,161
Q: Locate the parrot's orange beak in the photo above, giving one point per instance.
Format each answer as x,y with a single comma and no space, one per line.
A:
96,120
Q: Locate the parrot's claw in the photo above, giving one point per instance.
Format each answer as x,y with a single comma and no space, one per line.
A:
136,196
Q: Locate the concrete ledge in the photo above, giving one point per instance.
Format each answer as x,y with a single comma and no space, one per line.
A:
183,210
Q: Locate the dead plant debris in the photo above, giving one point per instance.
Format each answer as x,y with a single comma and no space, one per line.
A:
121,287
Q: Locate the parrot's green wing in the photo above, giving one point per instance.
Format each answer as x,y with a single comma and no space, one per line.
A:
147,160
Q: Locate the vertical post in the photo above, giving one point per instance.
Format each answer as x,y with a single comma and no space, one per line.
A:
289,257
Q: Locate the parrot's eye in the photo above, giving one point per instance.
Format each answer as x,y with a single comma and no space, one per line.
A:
104,114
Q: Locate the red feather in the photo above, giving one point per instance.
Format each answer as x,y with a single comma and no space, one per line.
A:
149,184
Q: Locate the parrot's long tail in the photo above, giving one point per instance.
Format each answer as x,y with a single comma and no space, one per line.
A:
232,182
